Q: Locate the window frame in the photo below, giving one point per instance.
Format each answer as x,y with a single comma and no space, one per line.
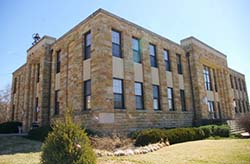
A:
57,103
138,51
120,55
156,97
120,94
87,48
58,61
140,96
207,78
211,109
167,62
179,64
15,85
239,80
183,100
153,57
38,73
231,81
171,99
236,84
86,95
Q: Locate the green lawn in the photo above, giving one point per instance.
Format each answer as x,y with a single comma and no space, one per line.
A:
19,150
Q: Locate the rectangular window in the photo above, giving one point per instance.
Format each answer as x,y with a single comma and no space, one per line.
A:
231,81
139,95
38,73
15,83
248,106
116,44
179,65
152,53
183,101
58,61
170,99
235,106
215,81
87,45
219,110
156,97
240,107
118,93
167,60
56,102
244,106
36,109
244,85
235,81
211,109
136,50
207,78
87,95
240,84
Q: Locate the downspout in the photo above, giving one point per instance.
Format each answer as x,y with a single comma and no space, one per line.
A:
192,90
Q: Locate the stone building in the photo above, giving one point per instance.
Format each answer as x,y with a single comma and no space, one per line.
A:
119,77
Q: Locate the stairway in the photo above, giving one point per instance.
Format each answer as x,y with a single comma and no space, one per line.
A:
235,128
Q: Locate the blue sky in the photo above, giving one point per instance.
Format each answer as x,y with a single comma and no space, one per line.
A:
222,24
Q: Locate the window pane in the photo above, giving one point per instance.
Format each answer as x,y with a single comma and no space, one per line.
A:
156,104
135,44
138,89
139,102
165,54
88,102
87,87
170,93
136,56
153,61
88,39
152,50
170,105
115,37
116,50
117,86
118,101
155,91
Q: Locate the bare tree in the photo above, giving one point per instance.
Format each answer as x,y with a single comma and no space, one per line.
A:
5,104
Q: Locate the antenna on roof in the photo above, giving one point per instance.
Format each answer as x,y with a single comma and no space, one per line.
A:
36,38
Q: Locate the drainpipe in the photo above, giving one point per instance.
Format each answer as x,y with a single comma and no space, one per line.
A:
192,90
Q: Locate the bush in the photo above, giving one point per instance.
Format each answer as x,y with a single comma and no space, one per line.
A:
184,134
177,135
244,122
40,133
215,130
148,136
221,131
67,143
10,127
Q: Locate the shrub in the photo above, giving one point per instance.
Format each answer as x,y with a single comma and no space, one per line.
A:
244,122
40,133
177,135
184,134
67,143
10,127
221,131
148,136
215,130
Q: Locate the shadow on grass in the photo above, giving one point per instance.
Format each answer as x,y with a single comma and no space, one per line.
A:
18,144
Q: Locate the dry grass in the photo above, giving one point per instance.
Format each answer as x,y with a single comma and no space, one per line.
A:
110,143
223,151
226,151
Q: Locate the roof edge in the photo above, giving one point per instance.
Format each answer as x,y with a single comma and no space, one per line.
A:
192,37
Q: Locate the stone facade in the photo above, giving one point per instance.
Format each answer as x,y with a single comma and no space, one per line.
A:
62,70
